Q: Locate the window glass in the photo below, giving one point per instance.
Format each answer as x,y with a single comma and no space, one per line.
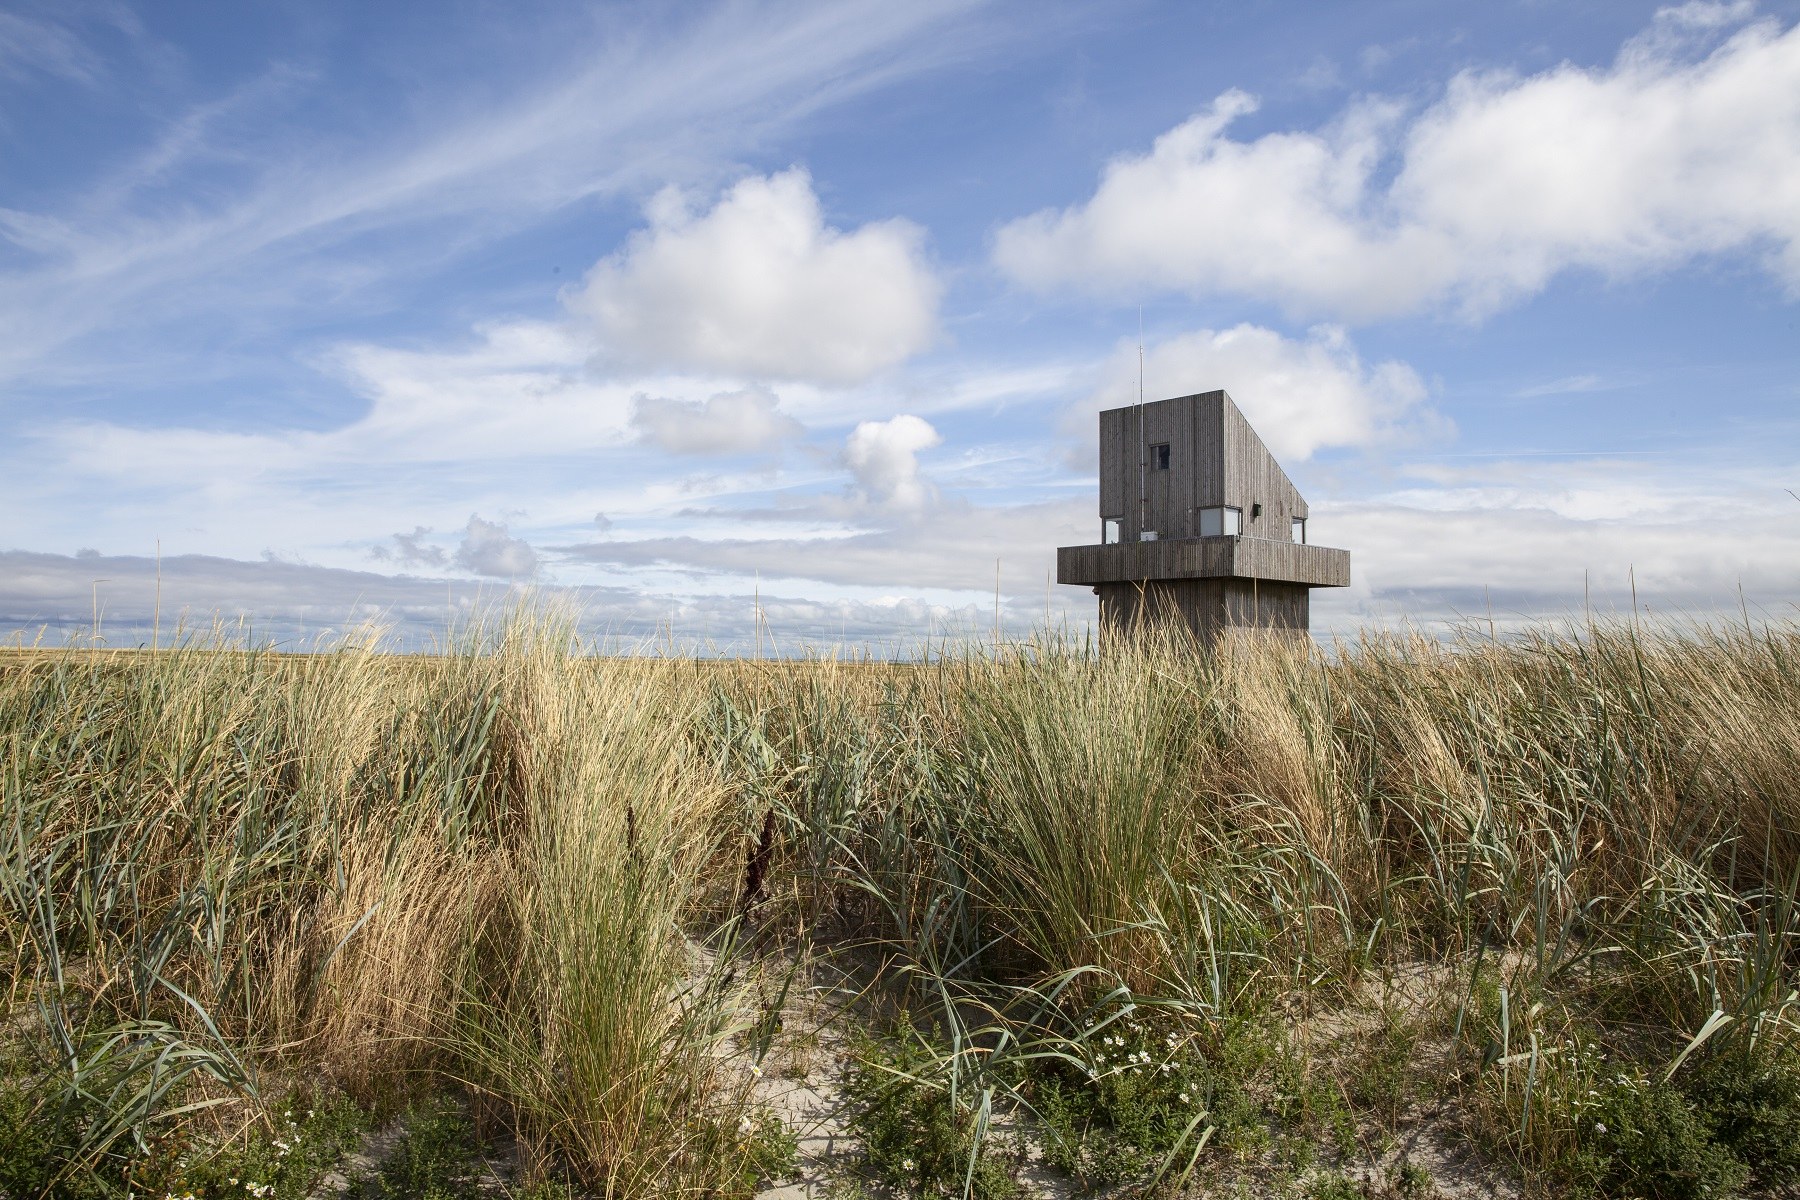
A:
1234,521
1109,530
1212,522
1299,524
1159,456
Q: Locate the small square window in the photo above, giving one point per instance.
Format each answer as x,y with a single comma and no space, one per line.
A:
1159,456
1217,522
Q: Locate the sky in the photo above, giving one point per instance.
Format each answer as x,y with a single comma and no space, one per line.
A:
786,324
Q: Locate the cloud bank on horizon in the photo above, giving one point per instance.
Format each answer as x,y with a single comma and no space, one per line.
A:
802,313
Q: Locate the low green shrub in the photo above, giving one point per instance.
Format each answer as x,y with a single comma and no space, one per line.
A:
1147,1092
913,1136
772,1149
37,1138
1754,1110
307,1135
436,1158
1647,1139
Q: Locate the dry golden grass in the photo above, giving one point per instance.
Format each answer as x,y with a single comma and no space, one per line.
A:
512,866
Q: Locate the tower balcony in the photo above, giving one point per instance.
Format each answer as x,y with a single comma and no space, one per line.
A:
1225,557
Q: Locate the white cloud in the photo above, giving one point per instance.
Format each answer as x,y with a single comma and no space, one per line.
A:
612,103
52,596
1670,154
1567,386
1534,538
410,550
884,458
28,45
760,285
741,422
489,549
1301,394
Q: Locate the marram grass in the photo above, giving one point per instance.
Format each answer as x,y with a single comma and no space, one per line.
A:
544,879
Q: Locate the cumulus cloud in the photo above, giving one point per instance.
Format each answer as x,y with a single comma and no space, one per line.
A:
1673,152
410,549
760,285
489,549
1301,394
883,456
742,422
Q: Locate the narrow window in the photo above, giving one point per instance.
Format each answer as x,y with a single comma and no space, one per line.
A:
1109,530
1234,521
1299,525
1159,456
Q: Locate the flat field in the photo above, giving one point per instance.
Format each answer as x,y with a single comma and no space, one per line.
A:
1412,918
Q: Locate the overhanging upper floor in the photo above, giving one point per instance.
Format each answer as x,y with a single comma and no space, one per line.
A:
1205,558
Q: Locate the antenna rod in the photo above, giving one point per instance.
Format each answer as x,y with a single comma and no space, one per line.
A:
1143,450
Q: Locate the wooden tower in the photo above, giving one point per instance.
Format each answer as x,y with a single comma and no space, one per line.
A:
1199,524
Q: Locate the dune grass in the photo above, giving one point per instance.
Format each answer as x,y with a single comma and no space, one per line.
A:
1548,884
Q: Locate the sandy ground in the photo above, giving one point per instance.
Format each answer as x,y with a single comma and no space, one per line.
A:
803,1086
801,1081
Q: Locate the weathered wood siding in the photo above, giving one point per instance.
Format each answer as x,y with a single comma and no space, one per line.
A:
1204,558
1215,458
1257,579
1206,607
1252,477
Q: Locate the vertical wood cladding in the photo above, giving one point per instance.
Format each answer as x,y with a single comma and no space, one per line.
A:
1206,607
1257,578
1215,458
1198,558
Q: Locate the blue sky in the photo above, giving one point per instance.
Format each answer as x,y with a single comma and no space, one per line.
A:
364,312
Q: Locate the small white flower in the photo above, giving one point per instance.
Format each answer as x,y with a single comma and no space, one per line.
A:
1599,1127
906,1164
1185,1098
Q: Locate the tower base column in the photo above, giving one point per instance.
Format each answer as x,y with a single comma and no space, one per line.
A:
1206,607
